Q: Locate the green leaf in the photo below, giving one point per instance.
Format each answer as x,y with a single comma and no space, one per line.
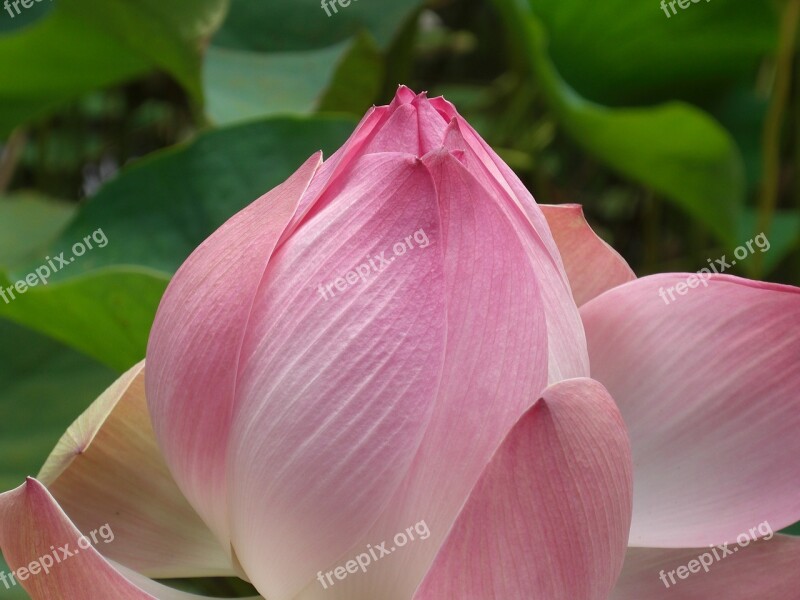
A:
169,35
45,387
675,148
289,57
297,25
357,80
81,45
617,51
28,222
242,85
38,65
106,314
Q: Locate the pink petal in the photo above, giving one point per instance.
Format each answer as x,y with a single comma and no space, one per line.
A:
399,133
495,368
708,387
194,345
549,517
766,570
337,385
107,467
33,532
396,133
592,265
566,340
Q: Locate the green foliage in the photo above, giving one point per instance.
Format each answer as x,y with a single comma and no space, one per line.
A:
45,387
82,45
290,57
619,52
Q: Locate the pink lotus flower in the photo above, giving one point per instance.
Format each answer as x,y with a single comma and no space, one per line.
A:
391,339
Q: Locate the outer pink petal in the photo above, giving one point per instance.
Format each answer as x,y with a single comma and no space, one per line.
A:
495,368
337,386
708,386
566,340
550,516
194,346
763,570
592,265
34,529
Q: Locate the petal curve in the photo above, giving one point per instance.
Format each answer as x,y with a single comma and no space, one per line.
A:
108,466
550,516
707,385
592,266
193,352
33,527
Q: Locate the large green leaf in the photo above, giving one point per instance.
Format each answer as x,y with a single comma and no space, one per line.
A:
28,223
620,51
293,25
289,57
82,45
674,148
106,314
242,85
170,34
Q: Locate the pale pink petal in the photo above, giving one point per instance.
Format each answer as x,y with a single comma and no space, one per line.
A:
52,559
432,126
549,517
708,386
399,133
337,384
194,345
359,143
566,341
108,467
591,264
495,368
414,127
762,570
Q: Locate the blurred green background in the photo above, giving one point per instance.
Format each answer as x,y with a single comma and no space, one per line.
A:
155,121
